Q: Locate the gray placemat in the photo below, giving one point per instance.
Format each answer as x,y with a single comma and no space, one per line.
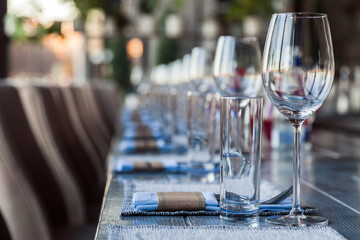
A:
221,232
132,186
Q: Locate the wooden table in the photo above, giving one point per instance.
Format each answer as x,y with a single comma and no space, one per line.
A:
330,182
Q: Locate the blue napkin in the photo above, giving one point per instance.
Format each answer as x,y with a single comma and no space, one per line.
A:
285,205
129,146
145,118
148,201
131,124
169,166
130,133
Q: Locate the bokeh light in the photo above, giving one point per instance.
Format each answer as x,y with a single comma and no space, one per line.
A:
135,48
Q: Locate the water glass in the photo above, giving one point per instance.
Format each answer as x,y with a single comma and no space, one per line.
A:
201,131
241,130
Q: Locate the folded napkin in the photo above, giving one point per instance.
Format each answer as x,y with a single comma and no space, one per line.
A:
149,166
132,146
175,201
150,201
130,124
132,187
142,132
141,118
285,205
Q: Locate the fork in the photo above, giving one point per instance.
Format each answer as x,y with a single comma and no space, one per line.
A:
274,200
280,197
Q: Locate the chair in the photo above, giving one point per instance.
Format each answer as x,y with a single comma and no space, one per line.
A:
31,199
95,112
19,203
35,113
106,96
88,121
87,168
51,177
4,232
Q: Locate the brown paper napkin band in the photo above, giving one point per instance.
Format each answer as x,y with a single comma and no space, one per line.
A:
180,201
143,132
146,145
136,117
148,166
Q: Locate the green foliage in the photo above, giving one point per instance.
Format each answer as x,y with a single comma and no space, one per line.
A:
85,5
148,6
120,63
178,3
56,27
167,50
239,9
111,9
18,34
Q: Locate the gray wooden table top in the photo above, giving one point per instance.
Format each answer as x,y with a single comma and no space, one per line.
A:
330,182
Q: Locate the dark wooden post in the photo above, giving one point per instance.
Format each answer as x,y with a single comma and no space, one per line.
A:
3,42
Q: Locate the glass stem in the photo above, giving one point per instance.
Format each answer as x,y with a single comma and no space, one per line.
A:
296,210
240,128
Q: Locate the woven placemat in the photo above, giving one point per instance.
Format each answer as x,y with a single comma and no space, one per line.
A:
132,186
221,232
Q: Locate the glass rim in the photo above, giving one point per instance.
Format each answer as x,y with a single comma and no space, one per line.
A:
241,39
241,97
302,14
200,94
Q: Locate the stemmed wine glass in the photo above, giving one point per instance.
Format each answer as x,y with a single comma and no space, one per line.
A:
298,71
237,66
237,72
200,70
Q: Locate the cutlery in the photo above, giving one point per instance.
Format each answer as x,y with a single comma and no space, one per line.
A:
274,200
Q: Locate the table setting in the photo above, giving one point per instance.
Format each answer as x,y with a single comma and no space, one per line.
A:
193,151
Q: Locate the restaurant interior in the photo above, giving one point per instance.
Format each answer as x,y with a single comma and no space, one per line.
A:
78,76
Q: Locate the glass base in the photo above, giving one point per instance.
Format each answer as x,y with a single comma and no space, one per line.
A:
243,222
297,220
203,167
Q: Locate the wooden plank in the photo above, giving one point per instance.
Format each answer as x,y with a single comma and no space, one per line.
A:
342,219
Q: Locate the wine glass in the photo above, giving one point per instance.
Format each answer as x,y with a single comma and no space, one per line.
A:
200,71
237,66
237,72
298,71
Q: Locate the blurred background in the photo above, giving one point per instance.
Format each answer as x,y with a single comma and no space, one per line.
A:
74,41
